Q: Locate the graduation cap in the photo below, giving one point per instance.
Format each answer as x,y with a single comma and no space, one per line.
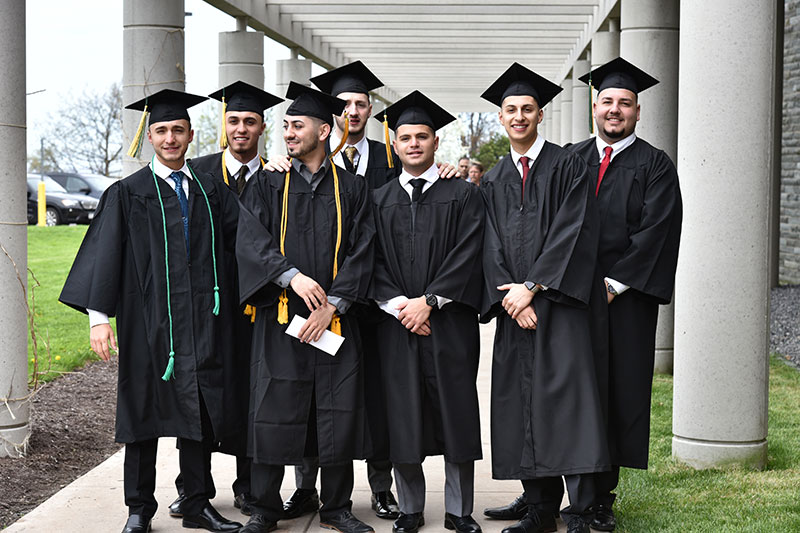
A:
619,74
415,108
313,103
521,81
352,78
241,96
164,106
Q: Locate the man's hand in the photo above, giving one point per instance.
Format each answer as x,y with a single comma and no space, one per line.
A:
516,299
317,323
309,290
447,171
101,338
278,162
414,315
527,319
610,295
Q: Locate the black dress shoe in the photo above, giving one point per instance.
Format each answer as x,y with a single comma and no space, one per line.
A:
303,501
384,505
577,525
408,523
345,522
209,519
136,524
603,518
534,523
461,524
175,507
516,510
259,523
242,503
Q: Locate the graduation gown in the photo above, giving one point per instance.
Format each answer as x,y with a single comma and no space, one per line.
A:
120,270
546,413
429,382
640,209
237,368
287,375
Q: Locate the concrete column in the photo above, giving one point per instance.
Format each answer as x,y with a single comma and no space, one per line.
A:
566,110
555,118
722,289
153,59
374,128
581,103
241,58
605,47
297,70
649,40
14,406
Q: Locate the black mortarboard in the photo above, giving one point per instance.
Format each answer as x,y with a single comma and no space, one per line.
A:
241,96
520,81
619,74
164,106
313,103
352,78
415,108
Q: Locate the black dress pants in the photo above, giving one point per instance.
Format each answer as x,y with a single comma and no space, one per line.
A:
546,494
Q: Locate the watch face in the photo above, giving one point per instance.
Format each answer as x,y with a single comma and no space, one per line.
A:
530,285
430,299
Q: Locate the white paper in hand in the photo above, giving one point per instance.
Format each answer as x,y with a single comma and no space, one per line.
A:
329,342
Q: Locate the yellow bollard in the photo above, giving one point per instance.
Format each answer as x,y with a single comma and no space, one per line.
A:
42,205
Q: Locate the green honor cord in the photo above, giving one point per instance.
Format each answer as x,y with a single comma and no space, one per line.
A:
171,364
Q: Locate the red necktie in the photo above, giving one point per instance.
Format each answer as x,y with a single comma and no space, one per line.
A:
603,166
525,168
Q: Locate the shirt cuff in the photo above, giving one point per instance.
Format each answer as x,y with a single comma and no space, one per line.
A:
542,287
442,301
617,286
286,278
96,318
340,304
390,306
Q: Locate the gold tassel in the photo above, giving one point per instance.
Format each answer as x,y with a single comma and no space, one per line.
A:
136,145
250,311
344,136
283,308
388,141
336,325
223,134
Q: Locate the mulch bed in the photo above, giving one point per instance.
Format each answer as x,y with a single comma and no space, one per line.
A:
73,431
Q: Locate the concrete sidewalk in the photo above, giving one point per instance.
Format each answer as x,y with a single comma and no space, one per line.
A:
94,502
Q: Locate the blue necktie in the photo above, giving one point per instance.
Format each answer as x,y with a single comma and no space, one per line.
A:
177,177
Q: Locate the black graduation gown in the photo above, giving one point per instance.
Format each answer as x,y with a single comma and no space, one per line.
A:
120,270
237,368
287,375
640,224
429,382
547,414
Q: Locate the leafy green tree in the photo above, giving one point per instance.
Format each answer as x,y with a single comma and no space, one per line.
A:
490,152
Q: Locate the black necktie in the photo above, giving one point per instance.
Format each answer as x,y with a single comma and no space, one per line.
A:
240,181
417,184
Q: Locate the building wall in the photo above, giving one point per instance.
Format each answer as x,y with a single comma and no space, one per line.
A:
789,269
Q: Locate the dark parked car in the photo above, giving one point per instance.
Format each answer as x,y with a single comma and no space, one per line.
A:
62,207
91,184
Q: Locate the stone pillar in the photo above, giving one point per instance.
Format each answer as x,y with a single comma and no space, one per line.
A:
566,110
605,47
375,128
649,40
15,414
555,118
722,286
153,59
294,69
581,103
241,58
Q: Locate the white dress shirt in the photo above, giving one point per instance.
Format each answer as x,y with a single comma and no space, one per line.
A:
162,171
616,148
363,152
532,153
430,176
234,165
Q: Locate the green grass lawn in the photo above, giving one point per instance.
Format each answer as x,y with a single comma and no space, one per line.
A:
50,255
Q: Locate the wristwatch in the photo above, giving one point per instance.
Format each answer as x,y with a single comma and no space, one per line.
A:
431,300
611,290
533,287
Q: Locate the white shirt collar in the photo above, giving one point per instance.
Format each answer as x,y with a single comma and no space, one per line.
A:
234,165
430,175
363,151
532,153
163,171
616,148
